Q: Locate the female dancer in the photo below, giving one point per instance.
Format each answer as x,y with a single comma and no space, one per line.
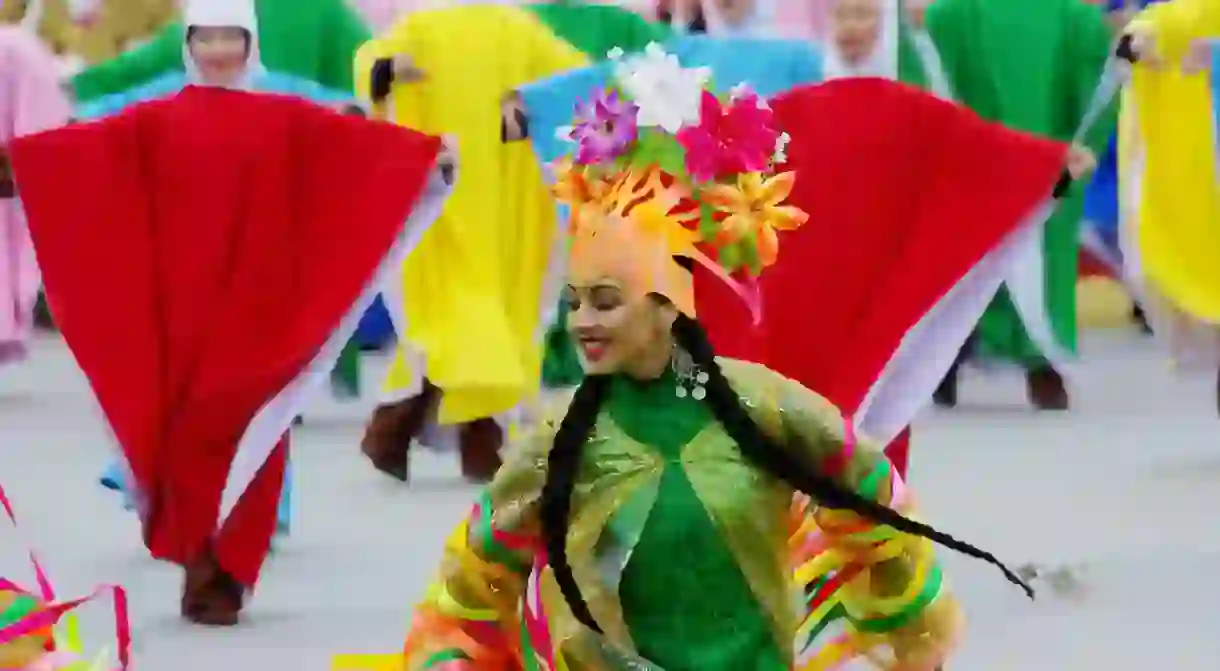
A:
665,450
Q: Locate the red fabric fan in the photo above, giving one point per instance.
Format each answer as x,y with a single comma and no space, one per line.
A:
908,197
205,257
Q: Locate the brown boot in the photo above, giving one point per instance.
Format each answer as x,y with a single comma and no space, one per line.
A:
387,439
210,596
1045,388
480,443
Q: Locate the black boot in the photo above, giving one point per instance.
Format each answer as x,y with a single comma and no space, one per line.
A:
945,395
1140,319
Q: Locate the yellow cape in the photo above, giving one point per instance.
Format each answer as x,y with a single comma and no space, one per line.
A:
1178,206
472,289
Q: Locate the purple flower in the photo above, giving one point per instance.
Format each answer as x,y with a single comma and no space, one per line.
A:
605,126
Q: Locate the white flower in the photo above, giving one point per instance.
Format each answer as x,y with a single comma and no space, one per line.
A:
781,146
744,90
667,94
615,54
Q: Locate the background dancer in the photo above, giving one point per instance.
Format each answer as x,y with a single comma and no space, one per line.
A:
468,314
221,42
233,309
30,101
1167,169
1034,68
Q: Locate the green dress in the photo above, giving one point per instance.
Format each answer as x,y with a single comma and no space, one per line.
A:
314,39
1034,67
660,595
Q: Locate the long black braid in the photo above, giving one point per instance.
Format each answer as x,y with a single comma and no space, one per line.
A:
577,425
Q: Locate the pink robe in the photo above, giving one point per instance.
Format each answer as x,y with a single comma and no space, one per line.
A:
30,101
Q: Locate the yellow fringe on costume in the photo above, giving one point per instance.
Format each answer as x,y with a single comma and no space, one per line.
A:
1178,211
472,289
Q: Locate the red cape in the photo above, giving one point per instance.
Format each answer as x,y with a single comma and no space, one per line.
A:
206,256
906,194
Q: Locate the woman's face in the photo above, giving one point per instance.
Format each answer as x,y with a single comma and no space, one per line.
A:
612,328
855,28
220,53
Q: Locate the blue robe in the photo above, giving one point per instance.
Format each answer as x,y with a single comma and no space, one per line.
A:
167,85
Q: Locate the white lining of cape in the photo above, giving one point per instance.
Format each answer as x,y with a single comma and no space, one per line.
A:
928,350
275,418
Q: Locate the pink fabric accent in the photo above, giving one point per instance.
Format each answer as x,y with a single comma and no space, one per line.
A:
54,611
381,15
30,101
801,18
537,626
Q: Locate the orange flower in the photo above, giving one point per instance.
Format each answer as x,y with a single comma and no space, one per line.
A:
754,208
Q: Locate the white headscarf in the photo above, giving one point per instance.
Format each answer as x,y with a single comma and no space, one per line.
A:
882,62
222,14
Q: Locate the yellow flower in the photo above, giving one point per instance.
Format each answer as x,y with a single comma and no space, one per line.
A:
754,207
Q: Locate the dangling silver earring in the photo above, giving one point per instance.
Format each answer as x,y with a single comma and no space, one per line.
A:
689,375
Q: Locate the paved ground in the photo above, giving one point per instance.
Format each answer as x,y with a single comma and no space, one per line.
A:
1124,491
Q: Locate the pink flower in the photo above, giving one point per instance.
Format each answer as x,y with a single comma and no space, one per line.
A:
730,139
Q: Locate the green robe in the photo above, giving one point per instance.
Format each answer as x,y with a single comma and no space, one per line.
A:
1032,66
595,29
314,39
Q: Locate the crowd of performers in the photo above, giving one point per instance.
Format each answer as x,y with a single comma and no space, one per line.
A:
665,273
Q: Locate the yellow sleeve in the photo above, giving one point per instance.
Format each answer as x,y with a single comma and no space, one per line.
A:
472,610
1177,24
895,596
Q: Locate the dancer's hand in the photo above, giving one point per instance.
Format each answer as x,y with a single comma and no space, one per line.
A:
406,71
1080,161
1198,58
447,159
1143,45
454,665
917,13
512,114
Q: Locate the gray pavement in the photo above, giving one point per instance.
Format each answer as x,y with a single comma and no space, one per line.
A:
1122,492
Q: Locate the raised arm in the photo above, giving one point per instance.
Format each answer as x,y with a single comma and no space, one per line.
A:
472,611
1176,25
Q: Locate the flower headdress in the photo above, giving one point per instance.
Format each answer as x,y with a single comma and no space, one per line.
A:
664,168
